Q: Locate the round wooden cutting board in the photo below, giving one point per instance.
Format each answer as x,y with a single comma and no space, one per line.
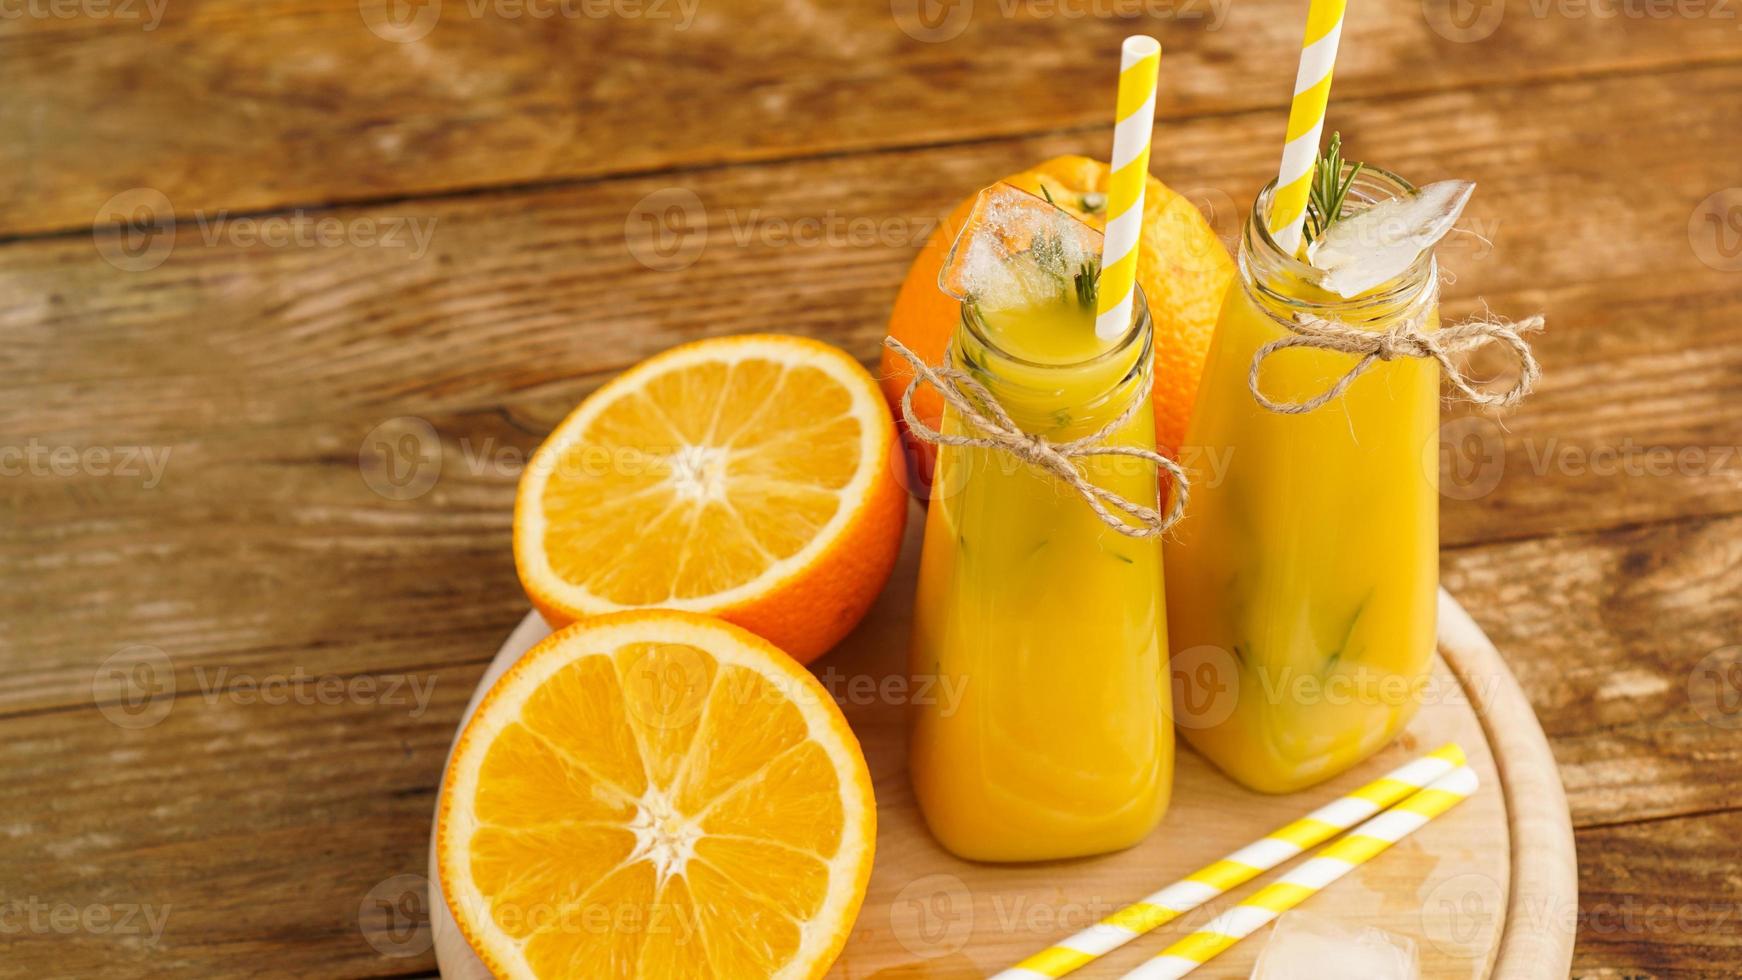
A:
1488,890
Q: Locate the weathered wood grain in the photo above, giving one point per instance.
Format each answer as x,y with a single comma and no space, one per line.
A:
248,105
234,836
1626,642
263,548
1657,900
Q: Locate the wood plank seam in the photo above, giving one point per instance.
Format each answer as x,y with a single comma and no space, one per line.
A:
531,187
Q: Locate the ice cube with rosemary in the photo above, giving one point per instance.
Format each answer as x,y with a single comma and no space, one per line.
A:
1026,272
1357,244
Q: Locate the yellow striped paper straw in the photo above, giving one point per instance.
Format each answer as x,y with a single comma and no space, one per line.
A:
1236,869
1139,63
1306,118
1300,884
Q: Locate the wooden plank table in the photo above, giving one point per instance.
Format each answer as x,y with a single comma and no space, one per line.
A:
258,446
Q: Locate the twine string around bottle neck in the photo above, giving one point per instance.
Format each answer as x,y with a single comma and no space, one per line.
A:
991,427
1406,339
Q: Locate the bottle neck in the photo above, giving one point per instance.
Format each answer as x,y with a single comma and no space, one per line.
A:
1064,400
1284,287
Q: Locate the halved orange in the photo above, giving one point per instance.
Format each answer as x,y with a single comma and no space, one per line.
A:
658,795
744,477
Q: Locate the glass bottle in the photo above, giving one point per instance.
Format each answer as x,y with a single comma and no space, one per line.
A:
1303,577
1043,628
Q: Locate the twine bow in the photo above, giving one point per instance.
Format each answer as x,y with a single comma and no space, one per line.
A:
1406,339
982,414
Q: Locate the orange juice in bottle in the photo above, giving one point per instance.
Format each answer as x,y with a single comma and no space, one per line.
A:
1302,581
1048,622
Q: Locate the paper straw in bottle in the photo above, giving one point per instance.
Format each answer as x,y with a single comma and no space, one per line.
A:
1139,62
1236,869
1305,881
1306,118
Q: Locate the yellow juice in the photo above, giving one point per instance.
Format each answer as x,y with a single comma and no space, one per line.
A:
1049,624
1302,584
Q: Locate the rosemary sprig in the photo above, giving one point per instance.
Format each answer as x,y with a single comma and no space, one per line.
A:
1329,190
1048,254
1047,251
1088,280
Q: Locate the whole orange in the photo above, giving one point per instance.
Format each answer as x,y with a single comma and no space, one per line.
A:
1182,266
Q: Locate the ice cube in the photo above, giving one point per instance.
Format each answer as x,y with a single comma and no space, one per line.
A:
1303,946
1376,245
1016,249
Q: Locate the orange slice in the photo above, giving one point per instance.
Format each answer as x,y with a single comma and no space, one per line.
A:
656,795
748,477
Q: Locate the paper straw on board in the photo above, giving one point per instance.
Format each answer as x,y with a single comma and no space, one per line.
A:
1236,869
1301,883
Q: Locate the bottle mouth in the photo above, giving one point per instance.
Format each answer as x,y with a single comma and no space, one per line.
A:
1135,331
1090,390
1265,266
